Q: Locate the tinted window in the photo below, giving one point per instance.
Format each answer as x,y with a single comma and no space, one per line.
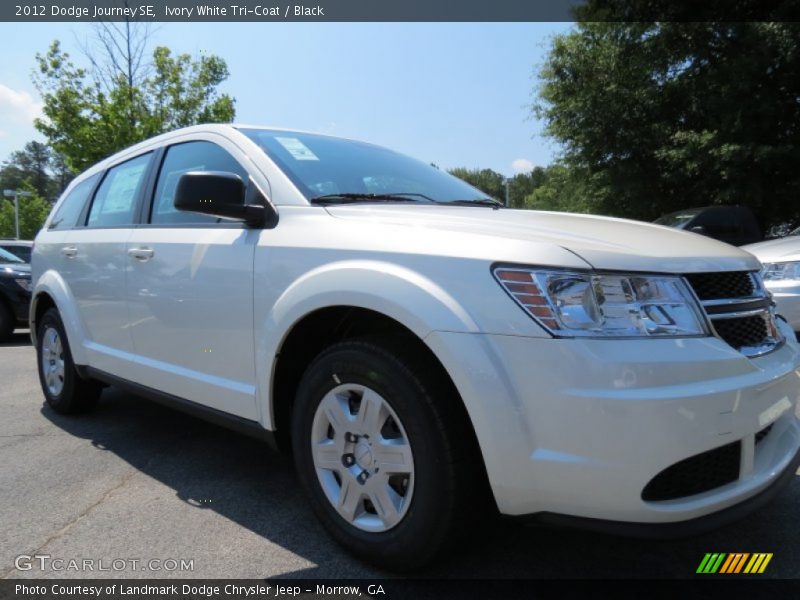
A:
70,209
21,252
678,219
115,200
319,165
180,159
8,258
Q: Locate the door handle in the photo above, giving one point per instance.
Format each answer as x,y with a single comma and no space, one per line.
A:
142,254
69,251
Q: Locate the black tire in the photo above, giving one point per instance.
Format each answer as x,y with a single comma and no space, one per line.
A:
6,322
442,498
77,395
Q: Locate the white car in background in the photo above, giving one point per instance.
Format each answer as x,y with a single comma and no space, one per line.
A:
430,356
781,273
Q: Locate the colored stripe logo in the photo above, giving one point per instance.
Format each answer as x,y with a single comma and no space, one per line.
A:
735,562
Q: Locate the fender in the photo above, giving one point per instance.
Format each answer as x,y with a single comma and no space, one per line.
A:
51,283
385,288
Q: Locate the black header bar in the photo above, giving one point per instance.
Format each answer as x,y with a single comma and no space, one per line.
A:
397,10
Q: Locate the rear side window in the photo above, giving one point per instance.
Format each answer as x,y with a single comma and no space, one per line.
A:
115,201
70,209
180,159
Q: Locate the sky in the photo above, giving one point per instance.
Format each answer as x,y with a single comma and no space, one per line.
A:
456,94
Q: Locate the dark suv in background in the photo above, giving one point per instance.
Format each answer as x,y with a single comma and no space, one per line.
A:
20,248
735,225
15,293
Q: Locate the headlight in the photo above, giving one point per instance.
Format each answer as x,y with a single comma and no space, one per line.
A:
574,303
25,284
781,271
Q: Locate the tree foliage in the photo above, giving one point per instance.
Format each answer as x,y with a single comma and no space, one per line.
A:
655,117
520,189
488,181
33,211
36,167
92,113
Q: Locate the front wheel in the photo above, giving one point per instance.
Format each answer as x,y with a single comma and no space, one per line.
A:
376,457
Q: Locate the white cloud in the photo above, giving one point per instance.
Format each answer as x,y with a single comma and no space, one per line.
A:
18,107
522,165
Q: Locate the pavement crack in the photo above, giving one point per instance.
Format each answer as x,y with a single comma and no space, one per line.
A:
79,517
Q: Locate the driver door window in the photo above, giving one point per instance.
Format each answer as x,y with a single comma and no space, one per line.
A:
180,159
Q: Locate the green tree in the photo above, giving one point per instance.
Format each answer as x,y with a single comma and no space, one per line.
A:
566,189
92,113
488,181
523,185
654,117
33,211
29,165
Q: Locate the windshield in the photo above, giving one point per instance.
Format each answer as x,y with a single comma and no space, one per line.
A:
322,166
678,219
8,258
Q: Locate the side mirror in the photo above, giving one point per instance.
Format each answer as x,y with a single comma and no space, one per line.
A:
218,194
698,229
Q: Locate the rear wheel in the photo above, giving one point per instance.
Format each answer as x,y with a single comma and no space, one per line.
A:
379,459
64,389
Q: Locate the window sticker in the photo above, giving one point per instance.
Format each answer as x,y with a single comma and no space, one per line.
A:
296,148
122,189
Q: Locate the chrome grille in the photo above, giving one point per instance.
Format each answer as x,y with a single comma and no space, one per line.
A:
739,308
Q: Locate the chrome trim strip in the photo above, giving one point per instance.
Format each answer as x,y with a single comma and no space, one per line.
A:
739,314
765,348
733,301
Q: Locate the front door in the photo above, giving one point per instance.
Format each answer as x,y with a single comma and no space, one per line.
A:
190,293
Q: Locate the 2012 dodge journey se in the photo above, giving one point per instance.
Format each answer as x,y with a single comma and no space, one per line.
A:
428,355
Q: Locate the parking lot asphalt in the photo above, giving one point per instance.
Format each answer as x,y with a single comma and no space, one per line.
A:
137,481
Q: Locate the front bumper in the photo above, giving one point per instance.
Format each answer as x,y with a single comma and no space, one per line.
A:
19,300
580,427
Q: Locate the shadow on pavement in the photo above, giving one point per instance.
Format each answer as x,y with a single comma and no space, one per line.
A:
256,488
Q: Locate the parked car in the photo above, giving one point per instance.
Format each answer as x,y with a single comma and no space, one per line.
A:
20,248
15,293
781,273
735,225
429,356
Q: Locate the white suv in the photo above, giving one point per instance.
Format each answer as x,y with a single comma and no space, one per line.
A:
428,355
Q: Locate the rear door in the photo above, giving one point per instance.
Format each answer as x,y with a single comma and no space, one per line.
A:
190,291
98,264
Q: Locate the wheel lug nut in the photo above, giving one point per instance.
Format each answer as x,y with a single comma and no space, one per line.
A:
362,477
348,460
351,437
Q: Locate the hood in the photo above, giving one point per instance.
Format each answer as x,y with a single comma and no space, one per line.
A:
15,269
783,249
603,242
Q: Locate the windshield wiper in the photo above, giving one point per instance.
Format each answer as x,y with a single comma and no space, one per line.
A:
477,202
349,197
